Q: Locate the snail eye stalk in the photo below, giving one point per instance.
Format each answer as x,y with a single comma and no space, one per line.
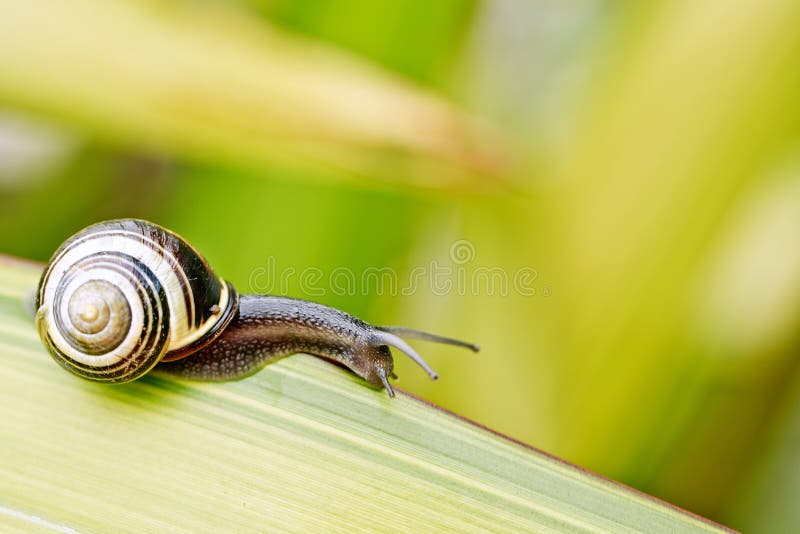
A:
427,336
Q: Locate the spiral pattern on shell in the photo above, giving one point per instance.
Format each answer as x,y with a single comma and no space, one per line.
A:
120,296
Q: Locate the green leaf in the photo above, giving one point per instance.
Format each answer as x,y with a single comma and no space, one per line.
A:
215,84
302,445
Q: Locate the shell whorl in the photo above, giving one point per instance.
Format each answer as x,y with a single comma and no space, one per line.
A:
120,296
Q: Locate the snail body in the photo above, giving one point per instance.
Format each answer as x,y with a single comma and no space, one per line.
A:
122,297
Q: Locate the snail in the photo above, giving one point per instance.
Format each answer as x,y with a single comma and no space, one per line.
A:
120,298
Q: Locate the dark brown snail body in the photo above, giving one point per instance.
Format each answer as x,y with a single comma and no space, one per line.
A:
120,297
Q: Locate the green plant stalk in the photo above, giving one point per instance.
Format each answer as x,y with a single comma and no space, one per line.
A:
302,445
215,84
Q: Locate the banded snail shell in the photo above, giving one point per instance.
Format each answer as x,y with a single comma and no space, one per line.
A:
120,296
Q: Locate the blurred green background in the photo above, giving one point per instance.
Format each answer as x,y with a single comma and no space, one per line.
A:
639,161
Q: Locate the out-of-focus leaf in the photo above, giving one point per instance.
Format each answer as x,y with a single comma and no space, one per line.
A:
213,84
415,38
768,501
697,106
301,446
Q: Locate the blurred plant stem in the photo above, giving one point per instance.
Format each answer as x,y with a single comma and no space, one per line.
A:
700,101
768,500
213,84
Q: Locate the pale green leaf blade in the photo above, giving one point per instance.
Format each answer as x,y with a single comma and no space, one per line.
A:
300,446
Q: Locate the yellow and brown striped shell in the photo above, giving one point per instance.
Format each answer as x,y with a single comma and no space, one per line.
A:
120,296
